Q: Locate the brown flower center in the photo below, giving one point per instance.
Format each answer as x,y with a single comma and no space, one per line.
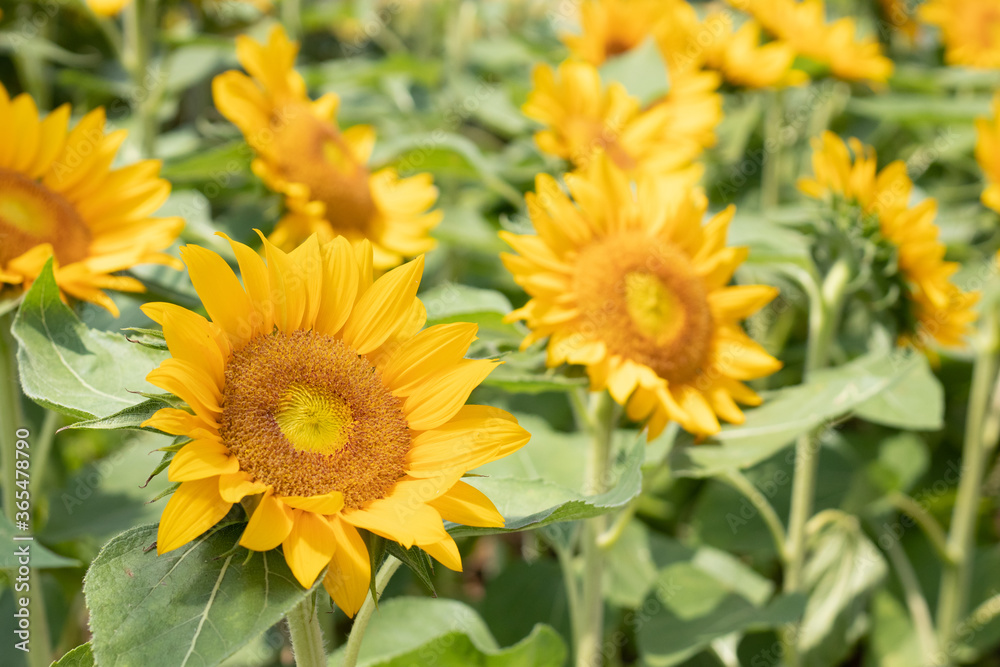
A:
307,415
31,214
314,153
642,297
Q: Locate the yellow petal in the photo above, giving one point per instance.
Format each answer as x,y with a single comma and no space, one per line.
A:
468,506
179,422
269,525
475,436
309,546
432,350
329,503
194,508
382,308
340,285
189,383
348,579
238,485
200,459
446,553
220,291
255,281
441,395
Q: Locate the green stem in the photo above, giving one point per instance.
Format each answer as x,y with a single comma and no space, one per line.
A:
916,603
291,18
932,529
957,574
565,557
353,647
140,27
40,654
603,415
307,636
770,187
738,481
11,417
824,317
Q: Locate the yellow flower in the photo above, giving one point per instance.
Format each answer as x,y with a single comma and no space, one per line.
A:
934,307
970,30
321,170
803,26
583,119
743,61
627,282
59,197
988,155
108,8
898,15
316,403
613,27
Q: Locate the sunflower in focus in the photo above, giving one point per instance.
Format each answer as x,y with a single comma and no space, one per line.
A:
316,402
988,155
59,197
584,119
628,282
803,25
970,30
320,169
920,295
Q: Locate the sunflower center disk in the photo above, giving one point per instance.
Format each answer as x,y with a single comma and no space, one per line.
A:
314,153
31,214
643,299
307,415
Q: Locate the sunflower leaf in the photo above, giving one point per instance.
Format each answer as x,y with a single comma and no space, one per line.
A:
447,633
205,600
70,368
151,338
81,656
417,560
376,554
130,418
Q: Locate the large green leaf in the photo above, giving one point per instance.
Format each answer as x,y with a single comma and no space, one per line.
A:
701,595
543,482
915,402
196,605
39,556
70,368
447,633
791,412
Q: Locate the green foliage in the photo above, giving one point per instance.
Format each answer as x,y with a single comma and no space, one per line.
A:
202,601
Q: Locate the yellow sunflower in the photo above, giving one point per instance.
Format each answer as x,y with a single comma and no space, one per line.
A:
899,16
803,25
935,309
59,197
970,30
988,155
743,61
320,169
584,119
612,27
317,402
628,282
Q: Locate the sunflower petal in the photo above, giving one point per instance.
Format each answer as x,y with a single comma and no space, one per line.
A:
348,579
269,524
309,547
194,508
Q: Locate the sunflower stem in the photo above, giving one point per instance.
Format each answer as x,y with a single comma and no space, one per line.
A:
307,635
291,18
140,27
602,418
353,647
824,316
739,481
956,578
11,417
770,190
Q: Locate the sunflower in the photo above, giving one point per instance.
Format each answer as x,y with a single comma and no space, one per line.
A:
988,155
316,403
60,198
803,25
970,30
583,119
743,61
899,16
320,169
904,238
627,282
612,27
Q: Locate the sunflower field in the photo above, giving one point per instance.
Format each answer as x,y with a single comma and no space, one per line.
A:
499,333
